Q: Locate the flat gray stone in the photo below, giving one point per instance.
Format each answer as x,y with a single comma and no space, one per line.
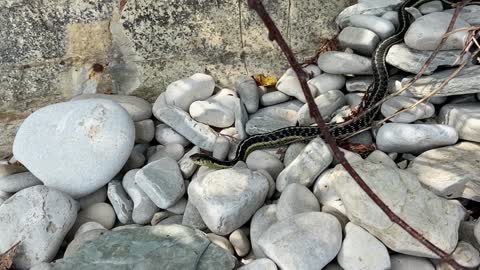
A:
326,82
186,165
39,217
173,151
304,241
174,246
344,63
97,196
404,138
259,159
18,181
420,111
360,40
143,206
358,83
305,168
82,136
380,26
469,14
240,242
296,199
261,221
426,32
248,91
198,133
407,262
273,98
221,148
212,112
144,131
430,7
327,103
138,108
464,117
260,264
120,201
290,85
274,117
167,135
447,170
191,217
411,60
227,199
162,181
375,7
183,92
241,118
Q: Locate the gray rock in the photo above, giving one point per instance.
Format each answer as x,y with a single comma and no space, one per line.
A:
430,7
240,242
426,32
259,159
221,242
354,99
272,98
358,83
392,16
260,264
212,112
227,199
81,239
186,165
380,26
304,241
361,250
344,63
248,91
183,92
361,40
375,8
403,138
120,201
138,108
465,82
159,216
447,170
167,135
97,196
175,247
192,217
403,193
144,131
18,181
326,82
41,266
179,207
296,199
305,168
469,14
143,207
465,255
162,181
292,152
261,221
39,217
101,213
290,85
89,226
407,262
173,151
136,159
221,148
173,219
395,104
327,103
326,194
241,118
465,118
81,135
411,60
273,117
199,134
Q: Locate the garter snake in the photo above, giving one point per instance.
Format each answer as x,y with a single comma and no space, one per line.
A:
288,135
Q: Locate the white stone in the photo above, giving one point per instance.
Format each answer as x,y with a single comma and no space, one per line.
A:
227,199
15,182
296,199
403,138
407,262
273,98
395,104
327,103
446,170
435,218
465,118
380,157
241,118
259,159
186,165
426,32
430,7
240,242
221,148
411,60
179,207
89,226
344,63
362,251
120,201
197,133
392,16
274,117
82,136
143,207
293,150
261,221
326,82
191,217
247,89
162,181
260,264
221,242
304,241
167,135
290,85
39,217
138,108
212,113
101,213
354,99
144,131
185,91
358,83
465,255
380,26
137,158
375,7
469,14
360,40
305,168
326,194
174,151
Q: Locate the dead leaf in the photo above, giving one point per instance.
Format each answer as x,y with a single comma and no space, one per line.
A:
6,259
265,80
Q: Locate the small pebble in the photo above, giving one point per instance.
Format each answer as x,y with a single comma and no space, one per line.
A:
326,82
260,264
240,242
361,40
173,151
395,104
248,91
274,117
221,148
296,199
327,103
221,242
212,113
120,201
89,226
259,159
167,135
290,85
380,26
430,7
143,207
358,83
465,118
407,262
261,221
185,91
187,167
392,16
159,216
191,217
97,196
273,98
179,207
344,63
144,131
292,152
18,181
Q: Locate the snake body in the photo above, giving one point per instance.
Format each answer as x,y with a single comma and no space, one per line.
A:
288,135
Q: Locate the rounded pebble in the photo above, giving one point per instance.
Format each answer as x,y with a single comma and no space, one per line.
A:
18,181
212,113
430,7
221,148
327,103
240,242
296,199
290,85
97,196
144,131
248,91
273,98
166,135
344,63
395,104
259,159
120,201
185,91
361,40
173,151
143,207
380,26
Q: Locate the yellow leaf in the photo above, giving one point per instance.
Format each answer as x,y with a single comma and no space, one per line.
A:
265,80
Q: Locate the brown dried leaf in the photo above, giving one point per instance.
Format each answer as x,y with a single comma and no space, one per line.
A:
265,80
6,259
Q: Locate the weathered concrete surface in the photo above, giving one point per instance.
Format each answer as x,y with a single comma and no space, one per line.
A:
53,50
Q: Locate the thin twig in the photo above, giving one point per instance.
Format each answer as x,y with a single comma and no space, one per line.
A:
275,35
